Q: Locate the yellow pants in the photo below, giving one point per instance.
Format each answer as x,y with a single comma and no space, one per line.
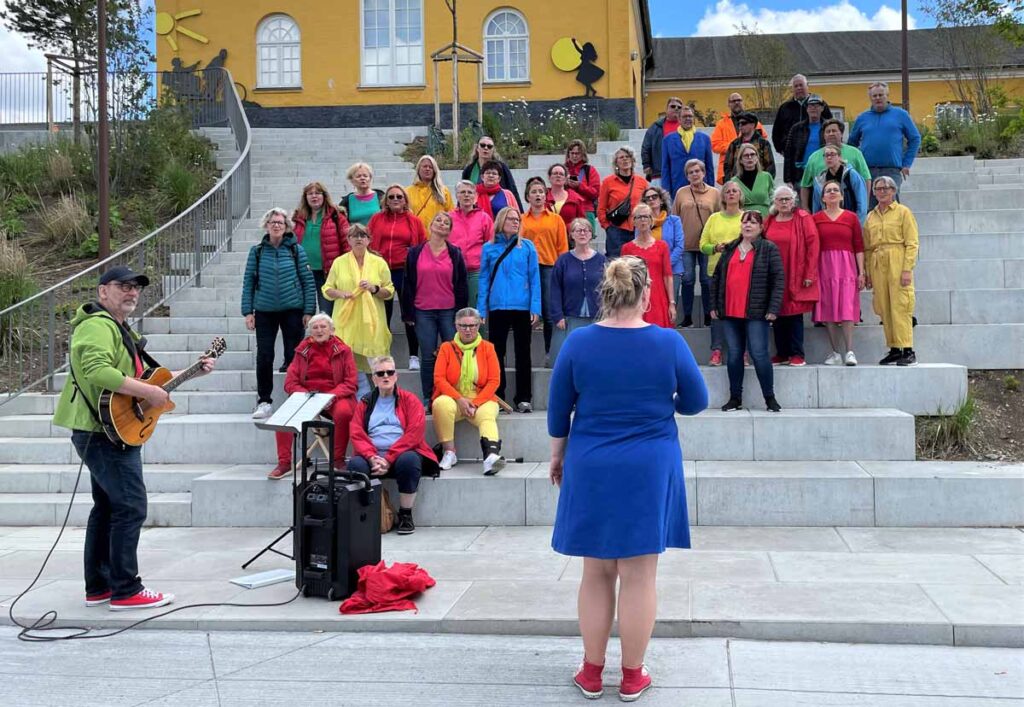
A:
446,414
892,302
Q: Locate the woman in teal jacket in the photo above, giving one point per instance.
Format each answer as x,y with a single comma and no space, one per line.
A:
278,292
509,300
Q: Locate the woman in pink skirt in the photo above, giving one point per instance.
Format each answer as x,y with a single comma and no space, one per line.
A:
840,273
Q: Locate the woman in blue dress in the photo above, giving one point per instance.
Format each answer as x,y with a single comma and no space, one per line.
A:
615,454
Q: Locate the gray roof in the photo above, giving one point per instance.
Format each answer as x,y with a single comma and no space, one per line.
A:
813,53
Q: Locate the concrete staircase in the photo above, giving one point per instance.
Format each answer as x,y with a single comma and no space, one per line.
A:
841,453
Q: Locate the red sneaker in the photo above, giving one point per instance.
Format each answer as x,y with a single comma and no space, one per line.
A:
635,682
144,599
588,680
279,472
716,358
97,599
780,360
797,361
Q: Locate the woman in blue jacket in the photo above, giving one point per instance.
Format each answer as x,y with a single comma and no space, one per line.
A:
855,191
575,280
509,300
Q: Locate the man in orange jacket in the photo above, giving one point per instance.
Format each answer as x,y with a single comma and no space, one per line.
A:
727,129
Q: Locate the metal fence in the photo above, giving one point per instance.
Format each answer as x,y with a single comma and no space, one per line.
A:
34,334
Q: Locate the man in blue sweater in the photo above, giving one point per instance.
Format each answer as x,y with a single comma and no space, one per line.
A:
887,136
685,144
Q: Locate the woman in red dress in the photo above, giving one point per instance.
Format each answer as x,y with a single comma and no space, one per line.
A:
659,265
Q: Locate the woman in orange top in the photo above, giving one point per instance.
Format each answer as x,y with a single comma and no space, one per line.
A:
547,231
466,377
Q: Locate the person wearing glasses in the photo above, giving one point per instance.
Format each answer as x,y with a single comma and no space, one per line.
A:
546,230
560,199
362,203
890,254
662,303
888,137
746,295
360,282
322,230
694,205
754,182
620,193
278,293
104,356
793,231
574,282
393,232
509,300
722,228
685,144
466,380
471,228
667,227
855,191
428,196
484,151
490,195
583,179
731,127
654,138
388,431
747,136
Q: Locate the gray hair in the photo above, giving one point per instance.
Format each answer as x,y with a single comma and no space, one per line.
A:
627,150
320,317
781,190
381,360
277,210
879,84
795,77
887,181
690,163
467,312
465,183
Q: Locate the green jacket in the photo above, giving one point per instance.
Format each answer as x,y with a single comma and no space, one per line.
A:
101,362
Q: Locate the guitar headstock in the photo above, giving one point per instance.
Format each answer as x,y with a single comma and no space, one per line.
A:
217,347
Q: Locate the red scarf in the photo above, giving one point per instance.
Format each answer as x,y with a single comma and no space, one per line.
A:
483,197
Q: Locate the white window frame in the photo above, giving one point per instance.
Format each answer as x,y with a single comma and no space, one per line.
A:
505,41
392,67
265,80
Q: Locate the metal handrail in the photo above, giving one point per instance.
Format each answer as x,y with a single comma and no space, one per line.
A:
33,338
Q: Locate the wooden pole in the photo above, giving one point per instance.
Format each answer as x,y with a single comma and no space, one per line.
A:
455,78
904,58
437,95
103,141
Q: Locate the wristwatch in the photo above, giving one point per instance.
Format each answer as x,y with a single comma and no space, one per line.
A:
376,289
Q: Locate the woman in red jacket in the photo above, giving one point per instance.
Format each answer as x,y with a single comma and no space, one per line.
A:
561,200
393,231
388,431
322,364
583,179
322,230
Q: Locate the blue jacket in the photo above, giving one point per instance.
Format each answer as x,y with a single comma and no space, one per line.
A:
650,149
880,137
573,279
672,234
674,158
285,280
517,283
855,193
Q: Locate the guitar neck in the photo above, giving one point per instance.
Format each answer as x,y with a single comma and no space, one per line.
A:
186,375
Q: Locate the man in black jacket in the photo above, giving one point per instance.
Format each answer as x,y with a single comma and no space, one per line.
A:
793,111
650,150
804,138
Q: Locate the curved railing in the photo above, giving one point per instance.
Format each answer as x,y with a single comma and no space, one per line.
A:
34,334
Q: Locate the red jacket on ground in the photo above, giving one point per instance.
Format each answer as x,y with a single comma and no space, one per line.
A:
393,234
343,366
409,409
333,244
383,588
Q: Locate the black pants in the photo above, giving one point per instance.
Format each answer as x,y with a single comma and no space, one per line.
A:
398,280
118,512
406,470
789,336
323,304
267,324
499,323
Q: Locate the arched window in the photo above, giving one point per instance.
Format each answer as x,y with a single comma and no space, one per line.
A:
507,47
278,53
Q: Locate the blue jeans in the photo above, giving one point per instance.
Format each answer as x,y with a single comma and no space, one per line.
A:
748,335
717,334
695,264
559,336
406,470
431,324
789,336
615,238
398,280
897,176
118,512
545,312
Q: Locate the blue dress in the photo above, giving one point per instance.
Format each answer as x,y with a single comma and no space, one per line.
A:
622,491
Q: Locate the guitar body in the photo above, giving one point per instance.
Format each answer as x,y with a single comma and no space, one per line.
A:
132,420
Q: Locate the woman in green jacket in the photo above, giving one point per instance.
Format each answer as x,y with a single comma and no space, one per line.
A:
755,183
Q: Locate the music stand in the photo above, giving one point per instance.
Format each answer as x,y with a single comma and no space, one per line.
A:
297,409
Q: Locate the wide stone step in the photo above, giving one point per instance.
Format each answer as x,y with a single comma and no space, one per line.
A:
964,200
1007,219
163,509
951,246
61,478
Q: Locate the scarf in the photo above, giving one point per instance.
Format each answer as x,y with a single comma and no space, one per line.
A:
658,223
467,376
687,136
748,178
484,194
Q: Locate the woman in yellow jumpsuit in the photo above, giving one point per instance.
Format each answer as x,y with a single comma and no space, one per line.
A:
890,253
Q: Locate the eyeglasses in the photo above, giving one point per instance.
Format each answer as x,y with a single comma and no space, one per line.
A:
486,145
386,373
276,223
883,187
314,193
735,100
468,326
642,217
358,236
675,106
396,197
783,198
128,286
833,190
652,197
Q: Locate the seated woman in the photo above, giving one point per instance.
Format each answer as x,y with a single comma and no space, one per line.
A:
387,432
322,364
465,380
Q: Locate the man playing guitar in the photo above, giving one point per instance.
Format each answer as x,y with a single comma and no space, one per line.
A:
106,355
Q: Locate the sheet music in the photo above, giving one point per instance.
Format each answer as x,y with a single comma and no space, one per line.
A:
298,408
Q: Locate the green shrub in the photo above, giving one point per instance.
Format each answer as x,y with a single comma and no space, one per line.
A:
15,282
179,187
66,222
1011,383
954,431
24,169
609,131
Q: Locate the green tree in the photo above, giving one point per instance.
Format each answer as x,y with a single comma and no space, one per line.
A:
1006,16
769,64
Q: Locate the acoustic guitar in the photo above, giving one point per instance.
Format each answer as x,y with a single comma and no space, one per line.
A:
131,420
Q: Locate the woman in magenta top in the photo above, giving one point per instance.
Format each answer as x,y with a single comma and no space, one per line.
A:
393,232
655,254
841,273
435,288
793,231
471,228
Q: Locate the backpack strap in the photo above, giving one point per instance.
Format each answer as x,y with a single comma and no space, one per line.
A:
494,271
295,256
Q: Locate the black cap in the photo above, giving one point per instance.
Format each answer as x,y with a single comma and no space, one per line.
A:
122,273
815,98
747,117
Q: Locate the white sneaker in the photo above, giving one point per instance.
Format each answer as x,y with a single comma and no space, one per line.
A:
834,359
851,360
493,464
414,363
262,411
448,460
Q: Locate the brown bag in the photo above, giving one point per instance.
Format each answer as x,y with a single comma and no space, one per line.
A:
387,513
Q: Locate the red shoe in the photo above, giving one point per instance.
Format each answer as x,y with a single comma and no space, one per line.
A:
635,682
797,361
716,358
279,472
588,680
144,599
780,361
97,599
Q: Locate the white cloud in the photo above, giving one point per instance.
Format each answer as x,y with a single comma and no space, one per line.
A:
725,17
17,56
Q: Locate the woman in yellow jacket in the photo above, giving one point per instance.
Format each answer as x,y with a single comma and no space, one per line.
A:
428,195
359,282
722,227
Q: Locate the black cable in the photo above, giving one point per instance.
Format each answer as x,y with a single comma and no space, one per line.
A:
45,622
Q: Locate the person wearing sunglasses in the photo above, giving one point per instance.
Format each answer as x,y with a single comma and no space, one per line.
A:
654,138
393,231
466,380
737,124
667,227
387,432
278,293
484,151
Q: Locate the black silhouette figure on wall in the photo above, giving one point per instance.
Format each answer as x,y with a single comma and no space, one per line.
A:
589,73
